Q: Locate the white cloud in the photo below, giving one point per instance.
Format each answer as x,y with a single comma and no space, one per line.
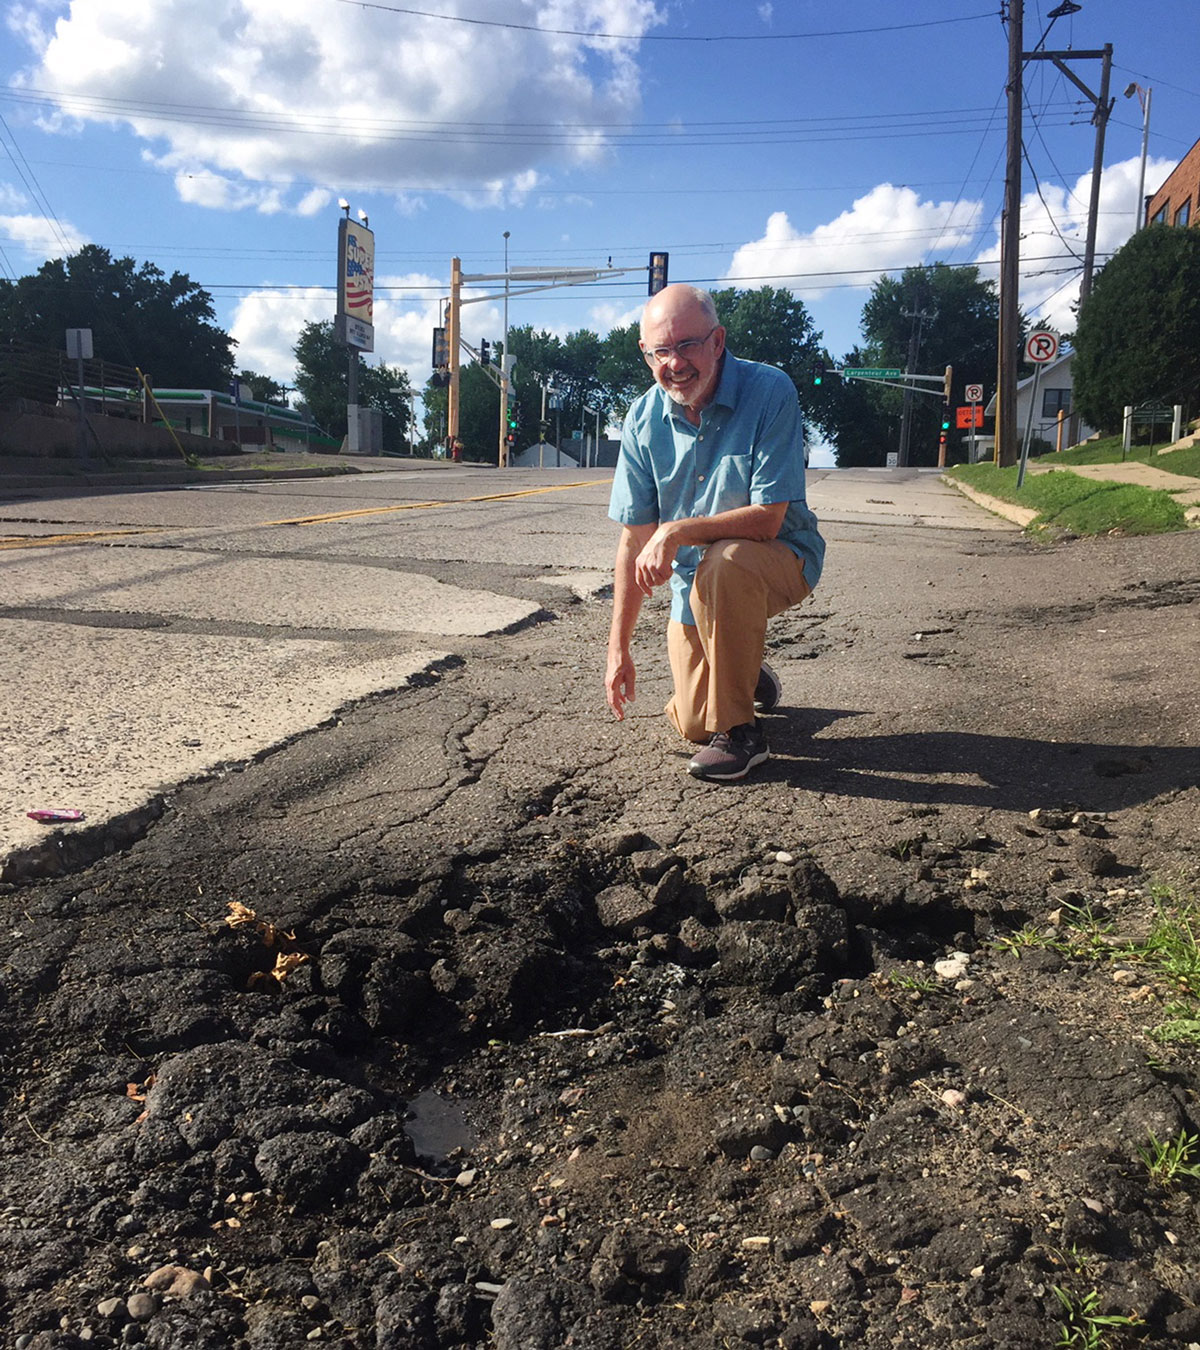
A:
233,93
888,229
267,323
1054,235
41,238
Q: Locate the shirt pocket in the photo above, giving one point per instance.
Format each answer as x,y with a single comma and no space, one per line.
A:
730,484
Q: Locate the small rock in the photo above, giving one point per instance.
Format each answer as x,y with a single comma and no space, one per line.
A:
177,1281
501,1224
112,1307
953,1098
142,1307
1095,859
760,1154
1022,1174
784,857
819,1306
466,1177
1124,977
758,1243
952,967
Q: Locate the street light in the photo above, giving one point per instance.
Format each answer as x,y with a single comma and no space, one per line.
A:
345,206
1144,99
362,215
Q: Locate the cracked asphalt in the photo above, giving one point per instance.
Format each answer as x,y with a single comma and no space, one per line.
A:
945,658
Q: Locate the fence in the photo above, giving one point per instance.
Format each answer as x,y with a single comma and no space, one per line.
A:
31,374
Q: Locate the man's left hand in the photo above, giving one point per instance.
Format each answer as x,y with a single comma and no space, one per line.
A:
653,565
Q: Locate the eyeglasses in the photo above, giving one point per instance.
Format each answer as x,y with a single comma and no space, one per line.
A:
686,349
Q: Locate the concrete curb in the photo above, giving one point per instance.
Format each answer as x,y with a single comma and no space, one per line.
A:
1019,515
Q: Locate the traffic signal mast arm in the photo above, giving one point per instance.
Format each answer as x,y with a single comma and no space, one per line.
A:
939,380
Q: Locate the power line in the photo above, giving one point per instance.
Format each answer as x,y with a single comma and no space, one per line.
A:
663,37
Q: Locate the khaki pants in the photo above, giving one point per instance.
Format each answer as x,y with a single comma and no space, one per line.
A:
738,586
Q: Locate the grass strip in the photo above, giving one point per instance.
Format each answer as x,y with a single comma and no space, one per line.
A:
1084,506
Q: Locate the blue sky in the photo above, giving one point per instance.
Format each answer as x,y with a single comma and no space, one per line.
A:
795,143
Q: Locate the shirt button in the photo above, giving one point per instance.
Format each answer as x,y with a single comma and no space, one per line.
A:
700,479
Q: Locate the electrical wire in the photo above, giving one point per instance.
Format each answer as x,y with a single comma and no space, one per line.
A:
662,37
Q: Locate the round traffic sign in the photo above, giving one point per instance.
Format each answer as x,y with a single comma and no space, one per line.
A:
974,393
1041,346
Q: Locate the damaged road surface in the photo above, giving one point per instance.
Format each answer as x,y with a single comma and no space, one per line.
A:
469,1019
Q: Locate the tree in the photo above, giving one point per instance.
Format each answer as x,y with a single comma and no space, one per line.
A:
138,316
323,382
1138,334
262,388
623,371
959,330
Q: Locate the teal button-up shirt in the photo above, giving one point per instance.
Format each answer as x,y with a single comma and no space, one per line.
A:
747,451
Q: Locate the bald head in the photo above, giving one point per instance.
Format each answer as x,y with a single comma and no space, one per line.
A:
678,303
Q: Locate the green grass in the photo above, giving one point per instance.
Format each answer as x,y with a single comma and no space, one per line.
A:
1084,506
1173,1160
1108,451
1084,1326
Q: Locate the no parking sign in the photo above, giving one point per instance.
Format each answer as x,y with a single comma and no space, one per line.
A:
1041,346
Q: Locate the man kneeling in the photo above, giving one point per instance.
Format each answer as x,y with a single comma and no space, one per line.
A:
709,490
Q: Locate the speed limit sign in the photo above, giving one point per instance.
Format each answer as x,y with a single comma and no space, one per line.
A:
974,393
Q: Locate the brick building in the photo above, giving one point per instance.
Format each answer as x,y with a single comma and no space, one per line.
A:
1177,202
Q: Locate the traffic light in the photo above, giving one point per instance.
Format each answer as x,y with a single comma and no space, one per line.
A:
818,376
658,272
946,384
945,423
441,349
514,416
485,352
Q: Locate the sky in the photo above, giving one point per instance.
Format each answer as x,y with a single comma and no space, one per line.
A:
805,144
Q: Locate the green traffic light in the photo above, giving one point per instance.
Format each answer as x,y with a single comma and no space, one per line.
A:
818,378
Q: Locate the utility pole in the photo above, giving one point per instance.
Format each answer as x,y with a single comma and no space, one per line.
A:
1009,339
1102,106
452,339
914,349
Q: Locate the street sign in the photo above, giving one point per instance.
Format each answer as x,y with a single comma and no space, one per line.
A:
872,373
1041,346
969,415
974,393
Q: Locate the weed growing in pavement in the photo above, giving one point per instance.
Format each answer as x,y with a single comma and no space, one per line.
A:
1087,933
911,984
1182,1026
1083,1327
1072,1258
1024,938
1170,1161
1170,950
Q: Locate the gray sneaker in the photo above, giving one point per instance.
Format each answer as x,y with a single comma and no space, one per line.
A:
730,754
768,691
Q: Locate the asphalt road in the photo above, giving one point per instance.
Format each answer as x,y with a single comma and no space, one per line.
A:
149,638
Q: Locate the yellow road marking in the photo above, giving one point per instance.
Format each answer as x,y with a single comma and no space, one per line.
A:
41,541
425,506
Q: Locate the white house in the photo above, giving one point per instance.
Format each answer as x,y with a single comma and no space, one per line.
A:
1055,391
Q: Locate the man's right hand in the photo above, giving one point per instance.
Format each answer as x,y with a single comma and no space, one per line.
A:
619,682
